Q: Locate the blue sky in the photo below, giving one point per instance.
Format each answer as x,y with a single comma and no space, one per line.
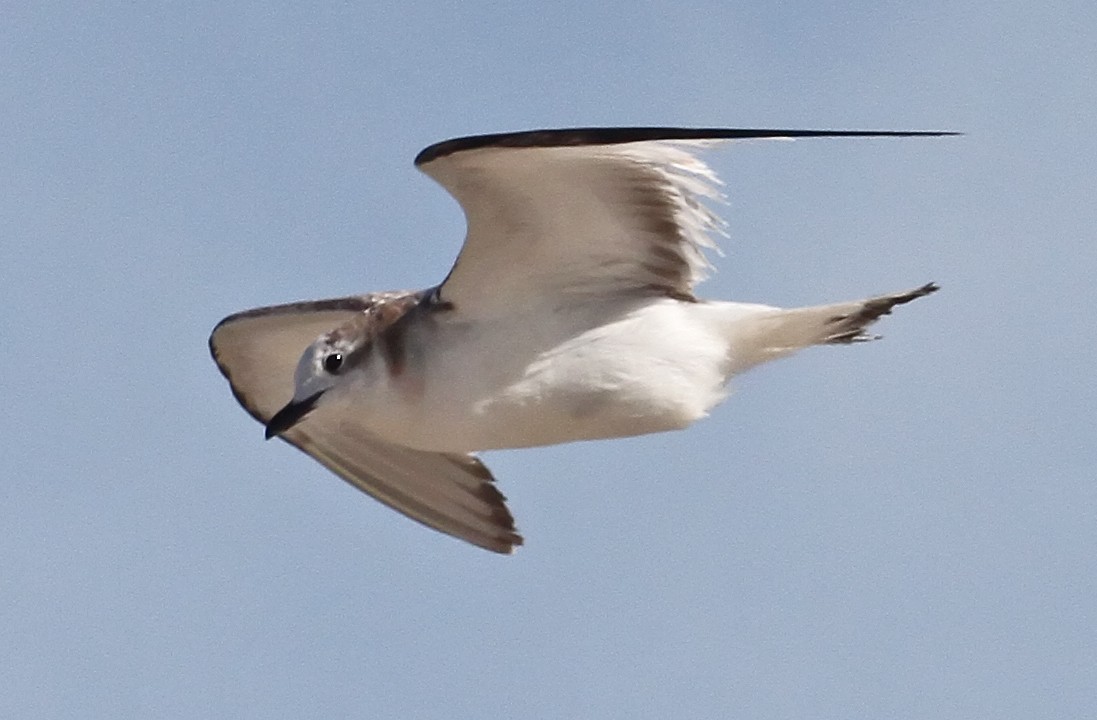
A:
900,530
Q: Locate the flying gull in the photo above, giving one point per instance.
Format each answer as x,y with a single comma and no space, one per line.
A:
570,314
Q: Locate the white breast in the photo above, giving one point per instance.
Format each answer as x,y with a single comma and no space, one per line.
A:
548,378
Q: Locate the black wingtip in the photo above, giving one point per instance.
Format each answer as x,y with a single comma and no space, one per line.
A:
617,136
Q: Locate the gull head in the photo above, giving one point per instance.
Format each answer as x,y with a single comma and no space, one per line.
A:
323,366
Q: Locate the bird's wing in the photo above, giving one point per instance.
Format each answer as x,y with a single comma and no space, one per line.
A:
556,214
258,350
454,494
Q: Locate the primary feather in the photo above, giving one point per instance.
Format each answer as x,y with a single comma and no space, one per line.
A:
570,314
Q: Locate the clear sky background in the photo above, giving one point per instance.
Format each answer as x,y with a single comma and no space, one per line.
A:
901,530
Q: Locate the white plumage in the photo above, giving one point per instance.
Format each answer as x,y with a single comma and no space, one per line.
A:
570,314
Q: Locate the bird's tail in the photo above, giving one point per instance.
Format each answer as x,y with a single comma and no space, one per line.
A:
771,333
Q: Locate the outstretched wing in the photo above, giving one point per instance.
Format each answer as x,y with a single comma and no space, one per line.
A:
454,494
257,352
555,215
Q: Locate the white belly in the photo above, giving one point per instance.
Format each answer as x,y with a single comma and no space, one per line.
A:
658,367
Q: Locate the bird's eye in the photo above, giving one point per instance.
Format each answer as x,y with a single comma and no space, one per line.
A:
333,362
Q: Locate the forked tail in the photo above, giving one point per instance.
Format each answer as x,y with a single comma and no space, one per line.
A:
771,333
848,323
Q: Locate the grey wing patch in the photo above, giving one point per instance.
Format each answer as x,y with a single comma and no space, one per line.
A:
587,211
568,222
453,494
674,263
257,351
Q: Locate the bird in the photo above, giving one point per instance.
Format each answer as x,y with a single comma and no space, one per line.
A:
570,314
